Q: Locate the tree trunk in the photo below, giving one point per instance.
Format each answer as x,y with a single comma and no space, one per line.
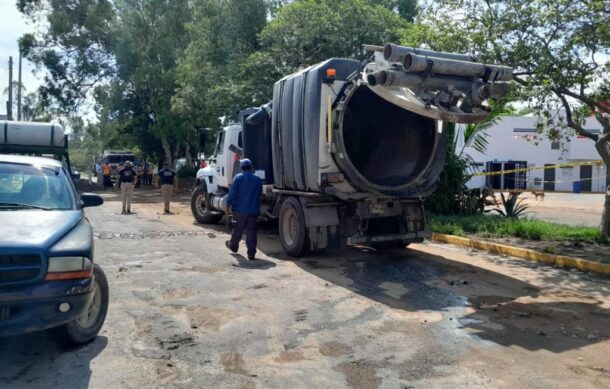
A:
603,147
187,152
605,226
167,150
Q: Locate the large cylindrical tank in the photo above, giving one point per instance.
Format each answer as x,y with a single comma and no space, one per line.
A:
380,148
31,134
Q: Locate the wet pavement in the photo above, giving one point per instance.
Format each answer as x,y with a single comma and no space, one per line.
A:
186,313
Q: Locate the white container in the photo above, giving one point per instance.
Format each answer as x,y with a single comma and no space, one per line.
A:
31,134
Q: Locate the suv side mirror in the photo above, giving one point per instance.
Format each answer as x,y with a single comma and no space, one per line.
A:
90,200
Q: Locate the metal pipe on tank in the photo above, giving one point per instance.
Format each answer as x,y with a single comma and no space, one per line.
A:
396,53
451,67
415,81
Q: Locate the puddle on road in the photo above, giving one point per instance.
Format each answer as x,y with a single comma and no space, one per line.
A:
400,284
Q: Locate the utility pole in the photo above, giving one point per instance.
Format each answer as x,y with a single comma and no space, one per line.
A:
19,87
9,105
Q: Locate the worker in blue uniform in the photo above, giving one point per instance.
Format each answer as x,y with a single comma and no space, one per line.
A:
244,201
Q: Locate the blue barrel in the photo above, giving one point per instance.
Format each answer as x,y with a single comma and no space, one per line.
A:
576,186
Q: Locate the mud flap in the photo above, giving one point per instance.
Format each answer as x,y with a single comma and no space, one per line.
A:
322,224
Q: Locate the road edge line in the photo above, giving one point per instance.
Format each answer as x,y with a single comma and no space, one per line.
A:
561,261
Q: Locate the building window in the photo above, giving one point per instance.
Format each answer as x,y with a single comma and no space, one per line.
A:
555,145
524,130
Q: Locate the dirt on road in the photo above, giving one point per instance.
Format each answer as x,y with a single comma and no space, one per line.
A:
185,313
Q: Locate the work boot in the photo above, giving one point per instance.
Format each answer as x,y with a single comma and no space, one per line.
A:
251,257
228,244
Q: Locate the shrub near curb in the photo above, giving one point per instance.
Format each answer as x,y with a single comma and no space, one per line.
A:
498,227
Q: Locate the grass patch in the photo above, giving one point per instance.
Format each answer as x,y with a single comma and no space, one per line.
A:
496,227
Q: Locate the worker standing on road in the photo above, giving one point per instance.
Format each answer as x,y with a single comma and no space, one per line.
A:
126,178
106,173
166,178
244,200
140,172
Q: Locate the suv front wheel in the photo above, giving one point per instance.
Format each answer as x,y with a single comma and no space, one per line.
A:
86,327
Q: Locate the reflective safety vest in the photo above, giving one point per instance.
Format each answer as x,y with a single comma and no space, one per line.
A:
106,170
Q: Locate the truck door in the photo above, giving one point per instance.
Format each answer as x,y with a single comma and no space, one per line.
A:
235,155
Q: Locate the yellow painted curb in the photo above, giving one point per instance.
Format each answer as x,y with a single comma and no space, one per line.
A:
532,255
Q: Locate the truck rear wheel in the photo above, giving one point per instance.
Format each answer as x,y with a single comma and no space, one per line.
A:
293,232
86,327
199,207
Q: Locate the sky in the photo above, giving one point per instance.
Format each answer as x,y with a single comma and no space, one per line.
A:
13,26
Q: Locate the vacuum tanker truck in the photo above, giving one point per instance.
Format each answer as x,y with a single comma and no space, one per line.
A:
348,150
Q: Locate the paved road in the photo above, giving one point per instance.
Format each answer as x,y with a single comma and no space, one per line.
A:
582,209
186,313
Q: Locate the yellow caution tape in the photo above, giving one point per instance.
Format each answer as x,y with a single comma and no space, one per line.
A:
527,169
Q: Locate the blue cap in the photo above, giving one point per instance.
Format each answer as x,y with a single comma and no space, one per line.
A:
245,163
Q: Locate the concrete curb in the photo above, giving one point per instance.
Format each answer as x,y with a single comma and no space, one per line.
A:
532,255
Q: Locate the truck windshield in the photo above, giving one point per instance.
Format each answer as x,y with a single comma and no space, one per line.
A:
34,187
119,158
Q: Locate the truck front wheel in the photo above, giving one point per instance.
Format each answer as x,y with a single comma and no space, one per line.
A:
199,207
293,232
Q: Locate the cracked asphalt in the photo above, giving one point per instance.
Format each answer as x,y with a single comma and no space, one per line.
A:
186,313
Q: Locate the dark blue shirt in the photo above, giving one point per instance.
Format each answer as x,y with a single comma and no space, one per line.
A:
245,194
167,176
127,174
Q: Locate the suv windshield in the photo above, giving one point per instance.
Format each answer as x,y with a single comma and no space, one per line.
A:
27,186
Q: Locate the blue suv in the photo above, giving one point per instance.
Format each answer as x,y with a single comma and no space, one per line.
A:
47,275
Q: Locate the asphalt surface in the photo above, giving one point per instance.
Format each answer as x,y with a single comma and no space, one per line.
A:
580,209
186,313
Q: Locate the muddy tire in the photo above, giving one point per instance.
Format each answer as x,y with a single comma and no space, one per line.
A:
87,326
199,208
293,232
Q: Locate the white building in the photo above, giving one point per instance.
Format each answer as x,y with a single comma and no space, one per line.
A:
514,143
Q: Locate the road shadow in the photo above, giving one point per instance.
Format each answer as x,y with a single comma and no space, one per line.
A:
507,311
553,326
257,264
35,360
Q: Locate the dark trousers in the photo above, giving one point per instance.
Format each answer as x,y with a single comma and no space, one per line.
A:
244,222
107,182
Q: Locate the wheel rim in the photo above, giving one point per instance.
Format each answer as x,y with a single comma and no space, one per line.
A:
290,227
200,201
89,318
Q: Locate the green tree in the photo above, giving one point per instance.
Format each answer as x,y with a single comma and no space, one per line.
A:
309,31
452,181
407,9
222,35
121,53
559,49
73,44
